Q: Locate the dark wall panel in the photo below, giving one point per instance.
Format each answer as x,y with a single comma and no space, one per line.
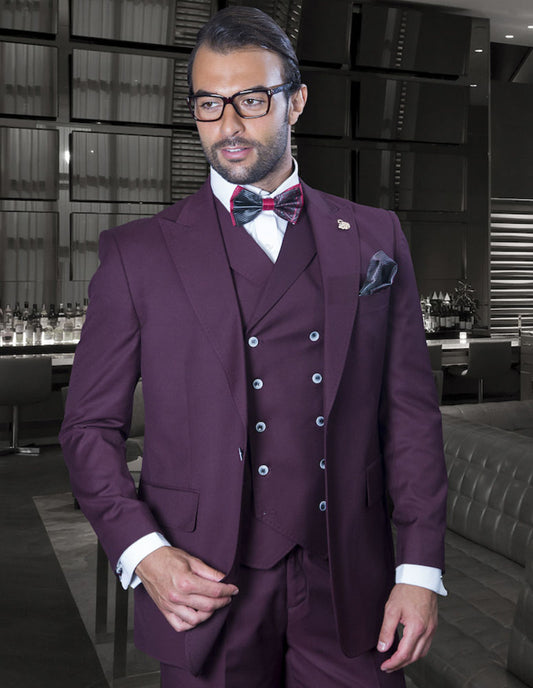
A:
327,112
512,140
407,39
411,181
401,110
314,158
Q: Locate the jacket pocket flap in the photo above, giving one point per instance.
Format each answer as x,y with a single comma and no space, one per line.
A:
172,507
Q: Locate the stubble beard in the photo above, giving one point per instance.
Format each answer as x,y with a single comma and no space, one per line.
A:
268,157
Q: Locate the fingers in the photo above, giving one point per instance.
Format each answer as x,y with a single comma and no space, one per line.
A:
416,609
387,634
186,590
410,649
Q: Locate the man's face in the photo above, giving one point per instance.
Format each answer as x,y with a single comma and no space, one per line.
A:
247,151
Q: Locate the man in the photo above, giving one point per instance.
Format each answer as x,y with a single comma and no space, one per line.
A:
287,392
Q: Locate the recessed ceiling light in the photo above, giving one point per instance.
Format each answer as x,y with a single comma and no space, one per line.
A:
478,50
473,85
509,35
530,26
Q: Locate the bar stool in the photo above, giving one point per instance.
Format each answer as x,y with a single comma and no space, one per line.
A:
24,380
485,360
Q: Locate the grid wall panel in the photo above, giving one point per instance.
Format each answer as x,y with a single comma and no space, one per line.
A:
145,21
37,16
28,80
29,163
28,256
121,87
120,168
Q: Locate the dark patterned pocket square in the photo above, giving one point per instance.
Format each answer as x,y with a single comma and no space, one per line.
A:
381,272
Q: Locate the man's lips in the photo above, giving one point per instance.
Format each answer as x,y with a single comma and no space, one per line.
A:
234,153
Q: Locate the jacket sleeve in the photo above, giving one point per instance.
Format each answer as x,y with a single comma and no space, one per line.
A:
98,409
410,425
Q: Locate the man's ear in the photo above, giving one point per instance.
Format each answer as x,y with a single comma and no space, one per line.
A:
297,104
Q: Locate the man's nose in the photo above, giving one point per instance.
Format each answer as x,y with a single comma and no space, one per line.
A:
231,123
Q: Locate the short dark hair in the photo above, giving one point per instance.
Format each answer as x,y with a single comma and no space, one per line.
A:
238,27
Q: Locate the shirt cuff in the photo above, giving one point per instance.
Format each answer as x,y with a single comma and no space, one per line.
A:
134,554
424,576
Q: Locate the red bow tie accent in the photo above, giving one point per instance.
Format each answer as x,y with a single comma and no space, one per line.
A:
246,205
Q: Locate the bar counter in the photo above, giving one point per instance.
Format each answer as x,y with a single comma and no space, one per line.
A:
454,351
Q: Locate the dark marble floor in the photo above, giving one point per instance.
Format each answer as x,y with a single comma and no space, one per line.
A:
47,564
43,641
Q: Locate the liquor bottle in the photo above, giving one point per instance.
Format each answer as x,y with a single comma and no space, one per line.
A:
84,309
8,316
43,316
435,311
68,324
61,316
449,314
17,315
25,314
78,318
52,315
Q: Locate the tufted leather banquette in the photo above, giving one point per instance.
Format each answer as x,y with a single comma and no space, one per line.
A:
485,634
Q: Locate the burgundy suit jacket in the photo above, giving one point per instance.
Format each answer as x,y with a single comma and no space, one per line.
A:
163,306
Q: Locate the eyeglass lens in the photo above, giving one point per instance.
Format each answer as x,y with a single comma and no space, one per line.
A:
247,105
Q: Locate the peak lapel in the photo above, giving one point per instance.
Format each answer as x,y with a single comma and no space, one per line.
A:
197,249
339,255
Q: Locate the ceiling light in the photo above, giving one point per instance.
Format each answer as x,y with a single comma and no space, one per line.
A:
509,35
478,50
530,26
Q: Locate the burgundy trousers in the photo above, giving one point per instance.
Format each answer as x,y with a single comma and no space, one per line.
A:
281,633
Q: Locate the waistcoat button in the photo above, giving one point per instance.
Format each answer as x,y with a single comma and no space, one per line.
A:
253,342
322,463
263,470
320,421
257,383
322,506
260,427
317,378
314,336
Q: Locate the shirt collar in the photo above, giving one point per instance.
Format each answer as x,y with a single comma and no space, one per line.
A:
223,190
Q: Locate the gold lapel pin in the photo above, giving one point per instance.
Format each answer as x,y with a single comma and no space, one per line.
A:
343,225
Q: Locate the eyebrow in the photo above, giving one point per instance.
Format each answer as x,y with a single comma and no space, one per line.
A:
201,91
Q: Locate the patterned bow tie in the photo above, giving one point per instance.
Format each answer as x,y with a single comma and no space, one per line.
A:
246,205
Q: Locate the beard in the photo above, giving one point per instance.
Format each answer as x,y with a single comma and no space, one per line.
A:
269,155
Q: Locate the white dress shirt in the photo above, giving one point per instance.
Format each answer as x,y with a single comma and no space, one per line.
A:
268,230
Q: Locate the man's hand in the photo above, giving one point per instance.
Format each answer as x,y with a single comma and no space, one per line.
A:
416,609
186,590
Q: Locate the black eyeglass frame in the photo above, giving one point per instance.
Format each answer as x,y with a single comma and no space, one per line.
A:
289,85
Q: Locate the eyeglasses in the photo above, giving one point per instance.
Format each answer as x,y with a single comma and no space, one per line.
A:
248,104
